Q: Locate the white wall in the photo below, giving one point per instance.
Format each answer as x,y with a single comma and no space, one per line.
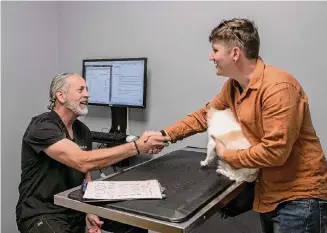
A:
29,60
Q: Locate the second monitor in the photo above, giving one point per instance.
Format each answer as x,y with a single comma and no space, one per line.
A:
117,83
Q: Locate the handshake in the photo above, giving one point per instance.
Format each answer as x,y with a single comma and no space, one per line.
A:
152,142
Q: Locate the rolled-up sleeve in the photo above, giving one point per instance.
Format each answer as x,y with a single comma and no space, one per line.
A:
283,109
196,122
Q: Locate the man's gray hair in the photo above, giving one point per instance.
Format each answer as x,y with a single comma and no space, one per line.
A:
58,83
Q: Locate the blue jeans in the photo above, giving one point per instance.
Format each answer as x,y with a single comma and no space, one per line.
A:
298,216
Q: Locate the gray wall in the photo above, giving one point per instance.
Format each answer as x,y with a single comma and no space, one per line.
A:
46,37
29,60
174,37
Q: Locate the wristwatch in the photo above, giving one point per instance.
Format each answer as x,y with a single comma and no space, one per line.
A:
163,132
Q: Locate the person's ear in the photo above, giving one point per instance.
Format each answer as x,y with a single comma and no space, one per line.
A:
61,96
236,52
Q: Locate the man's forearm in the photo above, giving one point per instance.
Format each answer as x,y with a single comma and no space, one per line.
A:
196,122
100,158
69,153
192,124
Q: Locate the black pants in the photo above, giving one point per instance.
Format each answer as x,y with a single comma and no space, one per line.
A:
70,224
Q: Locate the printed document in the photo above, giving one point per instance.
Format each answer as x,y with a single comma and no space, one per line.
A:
123,190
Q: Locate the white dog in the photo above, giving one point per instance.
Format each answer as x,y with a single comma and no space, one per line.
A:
222,125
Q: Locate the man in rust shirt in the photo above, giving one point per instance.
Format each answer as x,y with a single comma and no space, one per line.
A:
273,110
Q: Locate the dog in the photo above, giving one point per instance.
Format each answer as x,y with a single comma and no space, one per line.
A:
223,126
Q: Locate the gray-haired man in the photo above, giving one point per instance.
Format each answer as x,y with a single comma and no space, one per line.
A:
56,156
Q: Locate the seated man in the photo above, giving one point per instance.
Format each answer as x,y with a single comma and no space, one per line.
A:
56,155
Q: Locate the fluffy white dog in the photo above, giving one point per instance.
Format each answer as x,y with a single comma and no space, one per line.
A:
222,125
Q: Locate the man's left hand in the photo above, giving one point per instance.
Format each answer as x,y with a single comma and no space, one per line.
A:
93,223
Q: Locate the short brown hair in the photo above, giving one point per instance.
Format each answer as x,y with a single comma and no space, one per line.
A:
238,32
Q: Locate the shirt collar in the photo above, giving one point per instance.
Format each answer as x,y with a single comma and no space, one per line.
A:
62,125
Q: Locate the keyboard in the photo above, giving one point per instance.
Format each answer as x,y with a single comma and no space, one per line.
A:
102,136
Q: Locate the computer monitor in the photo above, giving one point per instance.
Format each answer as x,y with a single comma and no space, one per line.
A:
118,83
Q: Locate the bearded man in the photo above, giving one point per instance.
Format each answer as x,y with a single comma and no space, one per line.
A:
57,155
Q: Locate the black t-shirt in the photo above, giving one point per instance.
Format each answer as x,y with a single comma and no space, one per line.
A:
42,177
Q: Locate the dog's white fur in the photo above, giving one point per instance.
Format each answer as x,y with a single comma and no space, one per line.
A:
222,125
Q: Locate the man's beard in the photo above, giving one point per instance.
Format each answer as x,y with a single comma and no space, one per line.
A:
76,108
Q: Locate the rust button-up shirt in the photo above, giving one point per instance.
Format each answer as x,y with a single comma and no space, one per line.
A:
274,115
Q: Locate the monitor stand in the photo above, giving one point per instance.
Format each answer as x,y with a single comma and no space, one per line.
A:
119,125
118,119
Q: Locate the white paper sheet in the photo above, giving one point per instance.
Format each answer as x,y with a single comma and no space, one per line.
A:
123,190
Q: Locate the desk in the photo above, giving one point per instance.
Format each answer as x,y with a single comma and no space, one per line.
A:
150,223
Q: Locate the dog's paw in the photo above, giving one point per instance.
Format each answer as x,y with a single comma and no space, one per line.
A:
204,163
219,171
222,172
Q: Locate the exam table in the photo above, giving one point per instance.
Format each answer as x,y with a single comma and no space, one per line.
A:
193,194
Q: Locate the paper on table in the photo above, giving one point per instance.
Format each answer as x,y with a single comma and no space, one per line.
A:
123,190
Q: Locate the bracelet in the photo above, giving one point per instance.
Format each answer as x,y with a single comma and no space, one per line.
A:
138,152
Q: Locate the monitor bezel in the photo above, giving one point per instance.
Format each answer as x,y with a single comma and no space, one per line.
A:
121,59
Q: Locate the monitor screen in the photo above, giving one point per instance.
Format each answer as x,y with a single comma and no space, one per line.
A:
116,82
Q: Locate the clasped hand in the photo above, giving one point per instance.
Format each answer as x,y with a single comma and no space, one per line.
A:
152,142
